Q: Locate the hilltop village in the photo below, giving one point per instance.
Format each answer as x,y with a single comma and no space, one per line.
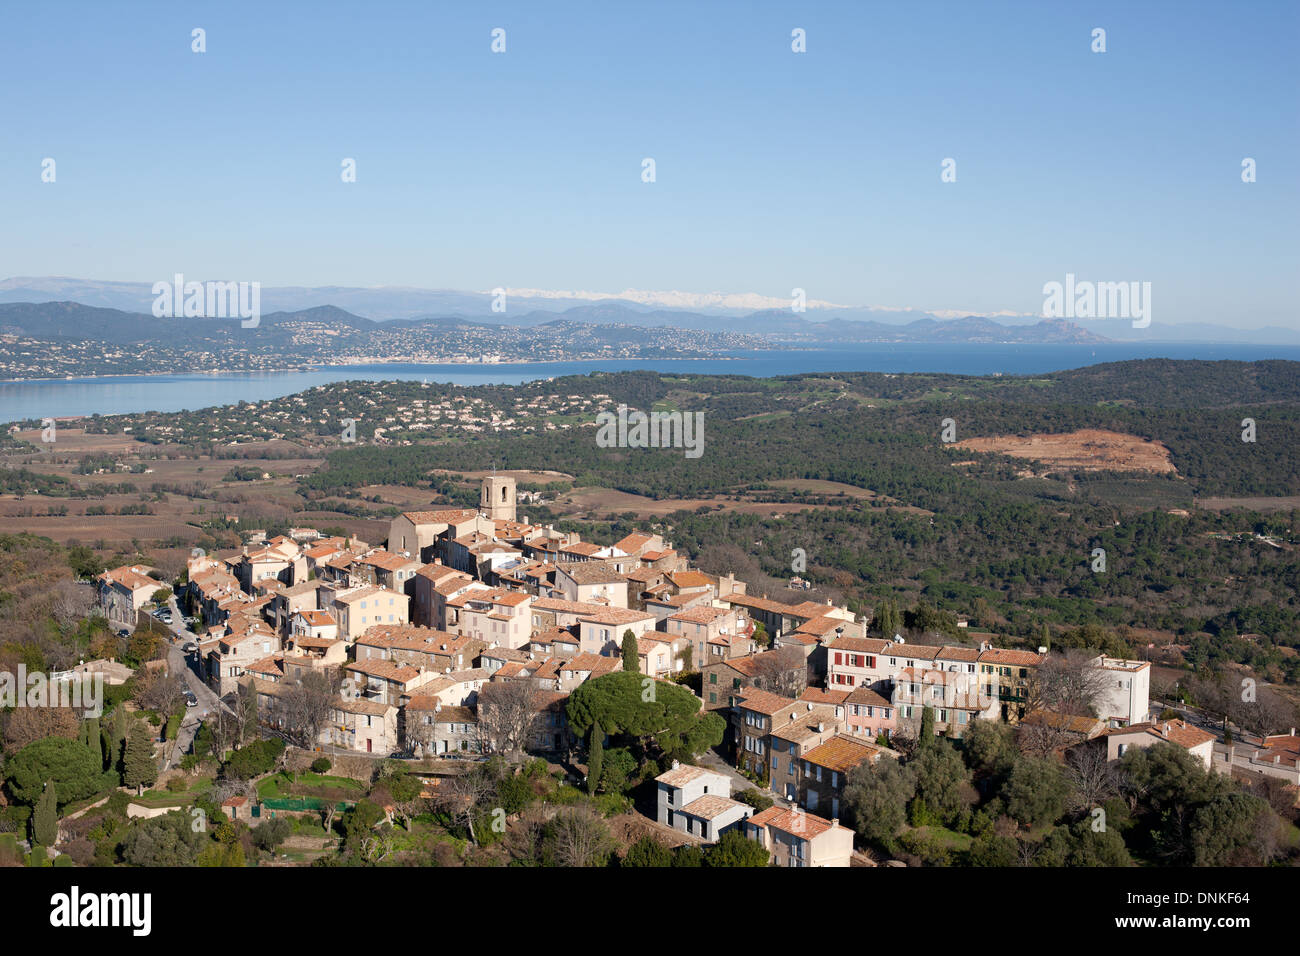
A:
468,632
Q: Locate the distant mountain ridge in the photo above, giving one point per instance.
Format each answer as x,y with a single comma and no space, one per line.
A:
714,312
72,320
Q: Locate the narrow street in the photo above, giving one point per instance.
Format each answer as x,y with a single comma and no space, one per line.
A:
185,666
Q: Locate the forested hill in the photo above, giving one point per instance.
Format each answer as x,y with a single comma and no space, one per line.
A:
854,469
1177,383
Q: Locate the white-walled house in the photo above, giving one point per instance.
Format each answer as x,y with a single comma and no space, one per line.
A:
698,802
1125,697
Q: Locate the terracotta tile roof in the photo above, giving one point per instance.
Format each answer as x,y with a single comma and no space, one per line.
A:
918,652
1009,658
842,753
436,572
315,618
810,609
701,614
591,573
805,724
449,585
711,806
387,670
859,645
413,637
594,664
820,695
1175,731
762,702
865,695
133,577
617,616
452,516
965,655
683,774
387,560
1288,743
689,579
797,823
566,607
362,594
633,543
273,666
369,708
648,645
517,670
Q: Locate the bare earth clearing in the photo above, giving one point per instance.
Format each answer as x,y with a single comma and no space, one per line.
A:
1250,504
1088,449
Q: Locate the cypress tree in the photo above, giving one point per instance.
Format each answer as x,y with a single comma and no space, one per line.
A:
631,655
45,818
595,757
117,754
90,736
138,767
927,727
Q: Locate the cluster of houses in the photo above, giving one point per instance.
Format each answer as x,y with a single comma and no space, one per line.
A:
460,599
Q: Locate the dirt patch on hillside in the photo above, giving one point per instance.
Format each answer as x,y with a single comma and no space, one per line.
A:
1252,504
1088,449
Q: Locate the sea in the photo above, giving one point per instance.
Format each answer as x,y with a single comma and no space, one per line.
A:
126,394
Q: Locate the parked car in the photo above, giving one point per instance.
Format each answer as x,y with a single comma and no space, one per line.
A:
190,699
123,633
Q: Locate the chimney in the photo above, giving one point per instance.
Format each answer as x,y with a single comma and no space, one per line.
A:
676,765
821,727
1042,650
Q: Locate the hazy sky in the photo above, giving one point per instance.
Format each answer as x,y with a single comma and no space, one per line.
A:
774,170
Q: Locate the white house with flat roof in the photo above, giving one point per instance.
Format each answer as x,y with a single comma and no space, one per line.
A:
1125,694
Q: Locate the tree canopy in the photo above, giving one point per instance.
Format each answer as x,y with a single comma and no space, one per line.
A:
635,706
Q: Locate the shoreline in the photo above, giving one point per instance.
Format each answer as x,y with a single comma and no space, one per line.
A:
72,379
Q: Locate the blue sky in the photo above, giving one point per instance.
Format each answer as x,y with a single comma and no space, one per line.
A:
774,169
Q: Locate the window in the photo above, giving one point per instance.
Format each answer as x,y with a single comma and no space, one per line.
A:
713,677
